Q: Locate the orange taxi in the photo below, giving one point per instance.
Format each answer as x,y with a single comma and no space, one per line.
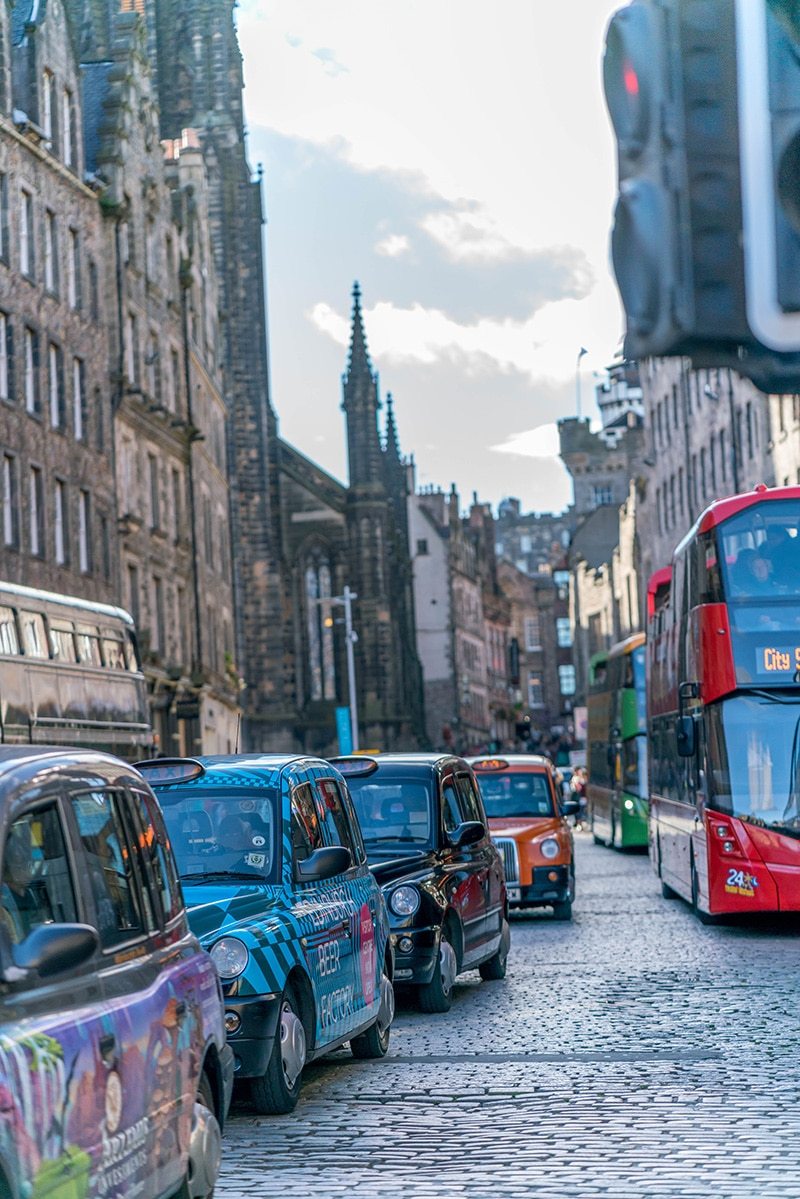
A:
527,819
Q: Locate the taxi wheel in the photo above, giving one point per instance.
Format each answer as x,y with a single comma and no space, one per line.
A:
375,1041
437,995
563,910
205,1146
495,969
277,1090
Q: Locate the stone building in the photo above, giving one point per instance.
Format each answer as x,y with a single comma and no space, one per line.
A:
59,509
709,433
170,416
536,701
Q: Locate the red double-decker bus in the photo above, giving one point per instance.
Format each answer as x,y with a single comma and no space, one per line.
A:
724,709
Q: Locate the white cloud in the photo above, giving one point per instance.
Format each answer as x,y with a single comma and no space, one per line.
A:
466,235
543,347
541,442
393,246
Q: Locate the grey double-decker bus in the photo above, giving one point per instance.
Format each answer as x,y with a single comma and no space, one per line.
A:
70,674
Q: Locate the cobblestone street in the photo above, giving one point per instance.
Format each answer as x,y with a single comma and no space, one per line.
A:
633,1052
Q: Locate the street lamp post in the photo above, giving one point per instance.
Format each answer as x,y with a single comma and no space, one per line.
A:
351,637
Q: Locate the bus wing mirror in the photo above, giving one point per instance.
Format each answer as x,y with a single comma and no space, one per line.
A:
686,737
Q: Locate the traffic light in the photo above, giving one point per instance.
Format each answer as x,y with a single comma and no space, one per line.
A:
639,70
768,44
704,96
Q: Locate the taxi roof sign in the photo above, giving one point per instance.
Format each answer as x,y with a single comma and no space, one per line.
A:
354,765
158,771
490,764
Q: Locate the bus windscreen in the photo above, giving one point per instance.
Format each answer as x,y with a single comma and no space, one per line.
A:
759,553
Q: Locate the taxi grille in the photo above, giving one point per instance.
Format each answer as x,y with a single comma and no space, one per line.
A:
508,849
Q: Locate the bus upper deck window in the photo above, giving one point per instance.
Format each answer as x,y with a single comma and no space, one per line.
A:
88,639
62,641
33,635
9,641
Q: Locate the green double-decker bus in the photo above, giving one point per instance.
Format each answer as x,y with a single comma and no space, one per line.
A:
617,745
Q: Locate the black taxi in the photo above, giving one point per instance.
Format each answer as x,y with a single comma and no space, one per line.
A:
428,845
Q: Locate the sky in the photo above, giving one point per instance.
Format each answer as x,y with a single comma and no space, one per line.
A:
455,158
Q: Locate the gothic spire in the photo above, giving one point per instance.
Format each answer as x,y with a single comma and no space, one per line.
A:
392,440
358,362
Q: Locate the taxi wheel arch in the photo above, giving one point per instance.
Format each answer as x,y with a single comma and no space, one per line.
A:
434,996
271,1092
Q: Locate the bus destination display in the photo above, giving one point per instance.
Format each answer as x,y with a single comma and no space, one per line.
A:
777,660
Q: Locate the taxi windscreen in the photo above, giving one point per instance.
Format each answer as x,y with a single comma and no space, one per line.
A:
515,793
219,833
394,811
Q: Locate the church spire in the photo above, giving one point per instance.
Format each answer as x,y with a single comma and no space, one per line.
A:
360,403
358,362
392,440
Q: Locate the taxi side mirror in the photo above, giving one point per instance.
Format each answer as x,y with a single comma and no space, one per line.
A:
322,864
570,807
468,833
51,948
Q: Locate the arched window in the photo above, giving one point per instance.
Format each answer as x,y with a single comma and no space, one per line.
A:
319,623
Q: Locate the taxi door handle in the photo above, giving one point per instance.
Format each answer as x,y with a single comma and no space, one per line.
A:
107,1045
342,927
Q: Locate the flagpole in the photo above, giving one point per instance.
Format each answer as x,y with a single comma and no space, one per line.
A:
581,353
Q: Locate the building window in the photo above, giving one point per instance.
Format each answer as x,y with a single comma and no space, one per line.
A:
177,503
94,291
5,373
55,378
68,127
10,503
422,547
79,398
31,372
153,370
84,532
561,580
563,632
175,380
133,592
533,633
535,691
723,457
152,481
159,629
131,350
59,522
48,104
3,216
566,679
319,627
50,252
602,495
35,512
105,546
74,271
26,254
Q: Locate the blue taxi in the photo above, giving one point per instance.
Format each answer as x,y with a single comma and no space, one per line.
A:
275,874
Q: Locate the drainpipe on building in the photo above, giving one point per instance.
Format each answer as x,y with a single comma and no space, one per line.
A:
690,479
192,436
734,440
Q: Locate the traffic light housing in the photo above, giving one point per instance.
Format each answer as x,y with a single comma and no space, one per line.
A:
704,96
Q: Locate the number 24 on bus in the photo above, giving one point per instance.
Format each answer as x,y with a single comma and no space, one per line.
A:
724,708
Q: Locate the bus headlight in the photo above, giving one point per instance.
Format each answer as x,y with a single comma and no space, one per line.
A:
404,901
230,956
549,848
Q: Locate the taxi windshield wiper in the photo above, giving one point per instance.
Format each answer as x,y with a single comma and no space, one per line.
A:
202,876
